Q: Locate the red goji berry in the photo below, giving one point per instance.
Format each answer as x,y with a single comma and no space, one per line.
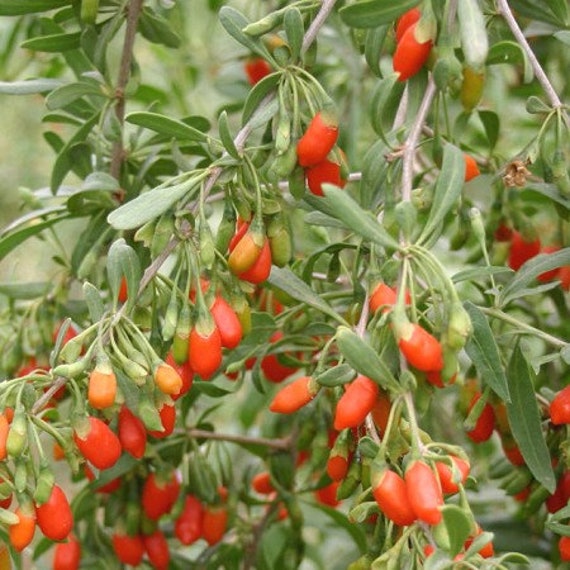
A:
132,433
325,172
67,555
471,167
128,549
410,54
424,492
405,21
157,550
215,523
327,495
256,68
205,352
168,418
389,490
227,321
189,524
448,483
158,495
485,424
22,533
318,140
560,407
261,483
522,250
356,403
293,396
54,517
99,444
421,349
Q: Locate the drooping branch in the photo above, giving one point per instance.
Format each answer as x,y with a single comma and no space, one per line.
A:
281,444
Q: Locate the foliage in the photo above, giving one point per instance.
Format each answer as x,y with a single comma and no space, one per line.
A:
312,312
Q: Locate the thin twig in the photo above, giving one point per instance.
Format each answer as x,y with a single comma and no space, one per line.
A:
507,14
281,444
412,142
133,14
317,23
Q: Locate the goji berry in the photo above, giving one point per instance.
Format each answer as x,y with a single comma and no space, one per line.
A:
205,351
167,379
318,140
106,488
389,490
215,522
560,407
446,479
485,423
67,555
132,433
54,517
261,483
189,524
22,533
424,492
227,321
471,167
553,273
337,467
405,21
256,68
261,269
246,251
102,388
157,550
4,431
293,396
123,291
128,549
327,495
98,444
381,411
522,250
410,54
564,548
421,349
325,172
159,495
356,403
185,372
272,368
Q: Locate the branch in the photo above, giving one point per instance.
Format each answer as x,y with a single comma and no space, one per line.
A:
317,24
412,142
506,12
134,11
283,444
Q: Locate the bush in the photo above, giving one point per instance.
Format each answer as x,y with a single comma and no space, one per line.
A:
304,307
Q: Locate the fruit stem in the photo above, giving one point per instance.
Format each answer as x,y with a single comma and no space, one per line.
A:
415,432
326,8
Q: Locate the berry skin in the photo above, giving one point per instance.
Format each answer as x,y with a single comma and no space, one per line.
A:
102,389
448,485
560,407
405,21
157,550
564,548
99,445
261,483
422,350
356,403
54,517
132,433
272,368
4,430
188,526
167,379
205,352
227,321
67,555
485,424
391,495
424,492
471,167
22,533
158,497
128,549
256,68
168,418
293,396
522,250
260,270
318,140
325,172
410,55
215,522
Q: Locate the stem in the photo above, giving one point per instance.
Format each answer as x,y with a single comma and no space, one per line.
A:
134,11
316,24
282,443
524,326
48,394
415,432
412,142
505,11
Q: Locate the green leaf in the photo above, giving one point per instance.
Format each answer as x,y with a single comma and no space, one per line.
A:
122,261
550,191
14,239
29,87
256,95
384,103
374,174
364,359
509,52
477,273
25,291
54,43
336,376
295,30
95,304
491,124
21,7
360,221
550,11
372,13
234,22
373,45
446,193
165,126
458,526
66,94
525,422
148,205
226,136
283,278
157,30
483,351
563,36
531,270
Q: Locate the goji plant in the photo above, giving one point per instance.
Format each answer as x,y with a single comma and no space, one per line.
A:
303,300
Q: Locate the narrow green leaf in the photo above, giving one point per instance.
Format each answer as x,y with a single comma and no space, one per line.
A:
66,94
95,304
29,87
525,422
260,90
25,291
375,38
458,526
122,261
295,30
32,216
336,376
372,13
226,136
491,124
384,102
531,270
483,351
546,190
447,190
283,278
374,174
234,22
165,126
12,240
364,359
476,273
54,43
360,221
21,7
158,30
148,206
